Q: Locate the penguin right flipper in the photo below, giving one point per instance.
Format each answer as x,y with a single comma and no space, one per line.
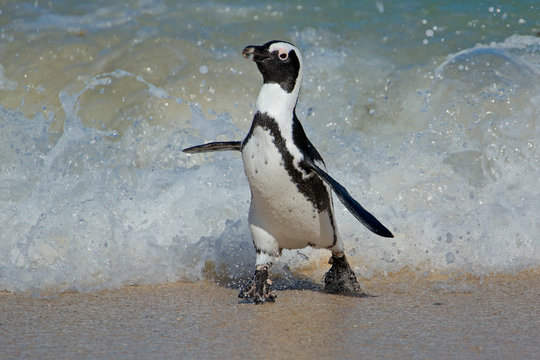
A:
350,203
215,146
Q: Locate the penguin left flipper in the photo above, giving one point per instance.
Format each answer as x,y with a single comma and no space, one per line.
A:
215,146
350,203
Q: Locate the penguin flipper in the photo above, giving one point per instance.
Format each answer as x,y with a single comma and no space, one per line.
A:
350,203
215,146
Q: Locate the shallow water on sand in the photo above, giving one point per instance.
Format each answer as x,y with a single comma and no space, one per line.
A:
427,112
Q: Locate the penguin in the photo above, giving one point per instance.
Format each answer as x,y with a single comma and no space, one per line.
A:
291,190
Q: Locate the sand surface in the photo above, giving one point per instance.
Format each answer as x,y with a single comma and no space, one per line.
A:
493,318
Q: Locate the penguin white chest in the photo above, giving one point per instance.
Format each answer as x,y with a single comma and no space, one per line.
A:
277,206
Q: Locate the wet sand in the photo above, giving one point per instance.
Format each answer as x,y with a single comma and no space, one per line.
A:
494,318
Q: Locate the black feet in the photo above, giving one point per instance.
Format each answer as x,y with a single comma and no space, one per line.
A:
259,287
340,279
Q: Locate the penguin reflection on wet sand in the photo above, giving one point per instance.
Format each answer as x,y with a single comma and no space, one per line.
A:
291,192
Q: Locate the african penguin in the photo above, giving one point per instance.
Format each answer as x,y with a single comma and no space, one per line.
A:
291,192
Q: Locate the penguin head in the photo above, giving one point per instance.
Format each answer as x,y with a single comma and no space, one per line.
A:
279,62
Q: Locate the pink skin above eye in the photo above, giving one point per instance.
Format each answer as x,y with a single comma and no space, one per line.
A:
283,54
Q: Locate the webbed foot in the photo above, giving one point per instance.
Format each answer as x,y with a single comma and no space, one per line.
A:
340,279
259,287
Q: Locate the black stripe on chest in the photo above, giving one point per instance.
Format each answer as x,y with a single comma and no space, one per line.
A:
312,187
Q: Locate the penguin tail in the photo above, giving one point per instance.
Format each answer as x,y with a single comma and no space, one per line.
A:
215,146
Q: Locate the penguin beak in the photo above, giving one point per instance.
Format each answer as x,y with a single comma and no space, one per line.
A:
256,53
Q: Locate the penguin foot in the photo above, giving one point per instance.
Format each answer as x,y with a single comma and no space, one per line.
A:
340,279
259,288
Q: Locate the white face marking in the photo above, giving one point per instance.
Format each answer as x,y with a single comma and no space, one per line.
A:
283,49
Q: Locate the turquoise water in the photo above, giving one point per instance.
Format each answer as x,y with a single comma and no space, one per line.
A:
428,113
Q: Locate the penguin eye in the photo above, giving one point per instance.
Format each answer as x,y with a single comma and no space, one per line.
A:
283,55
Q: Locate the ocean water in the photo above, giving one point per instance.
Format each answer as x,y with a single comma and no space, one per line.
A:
428,112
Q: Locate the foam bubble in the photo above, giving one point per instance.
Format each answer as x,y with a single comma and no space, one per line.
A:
6,84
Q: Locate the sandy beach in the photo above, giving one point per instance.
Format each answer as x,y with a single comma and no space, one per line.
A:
406,317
